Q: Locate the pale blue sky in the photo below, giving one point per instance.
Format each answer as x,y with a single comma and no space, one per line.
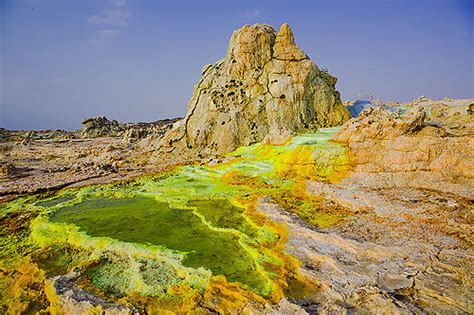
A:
138,60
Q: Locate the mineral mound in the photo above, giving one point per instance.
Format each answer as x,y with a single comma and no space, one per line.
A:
265,89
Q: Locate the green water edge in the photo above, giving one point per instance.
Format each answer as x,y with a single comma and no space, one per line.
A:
174,228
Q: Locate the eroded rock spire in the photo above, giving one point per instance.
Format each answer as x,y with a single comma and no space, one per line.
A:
265,89
285,47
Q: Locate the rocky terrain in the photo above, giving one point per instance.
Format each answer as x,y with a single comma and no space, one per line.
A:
378,219
103,150
409,247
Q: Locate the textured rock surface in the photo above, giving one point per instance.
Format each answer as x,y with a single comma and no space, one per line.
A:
131,132
74,300
51,159
56,163
408,248
101,127
265,89
394,257
378,123
429,151
155,130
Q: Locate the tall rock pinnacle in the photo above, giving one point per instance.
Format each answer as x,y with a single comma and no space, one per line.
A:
285,47
265,89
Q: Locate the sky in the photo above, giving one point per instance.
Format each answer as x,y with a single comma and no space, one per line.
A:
138,60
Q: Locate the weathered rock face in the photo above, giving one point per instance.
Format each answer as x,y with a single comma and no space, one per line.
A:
155,129
101,127
378,123
265,89
428,147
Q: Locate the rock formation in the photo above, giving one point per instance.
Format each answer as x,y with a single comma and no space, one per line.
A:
378,123
428,147
131,132
141,130
265,89
101,127
411,187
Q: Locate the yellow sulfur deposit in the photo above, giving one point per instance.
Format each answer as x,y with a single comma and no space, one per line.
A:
190,239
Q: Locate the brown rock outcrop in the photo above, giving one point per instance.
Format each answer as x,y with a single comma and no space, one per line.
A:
265,89
410,150
408,248
378,123
156,129
101,127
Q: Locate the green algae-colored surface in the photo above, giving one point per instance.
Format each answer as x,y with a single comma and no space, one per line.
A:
227,215
180,227
145,220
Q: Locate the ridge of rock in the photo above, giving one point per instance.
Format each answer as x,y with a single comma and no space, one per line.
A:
379,123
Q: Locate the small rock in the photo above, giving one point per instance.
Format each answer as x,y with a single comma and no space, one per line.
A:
7,169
